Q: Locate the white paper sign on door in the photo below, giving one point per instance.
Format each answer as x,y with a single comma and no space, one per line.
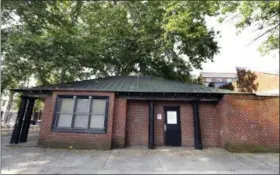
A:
159,116
171,117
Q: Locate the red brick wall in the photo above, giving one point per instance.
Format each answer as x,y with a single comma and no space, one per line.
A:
137,129
119,123
248,119
138,123
186,117
159,125
208,125
235,119
187,128
49,138
207,121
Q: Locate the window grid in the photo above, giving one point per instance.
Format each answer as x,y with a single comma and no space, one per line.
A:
74,109
89,115
74,113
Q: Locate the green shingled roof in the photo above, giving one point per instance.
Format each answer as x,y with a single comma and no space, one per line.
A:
131,84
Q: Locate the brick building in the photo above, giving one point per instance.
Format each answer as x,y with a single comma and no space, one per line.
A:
117,112
216,79
268,81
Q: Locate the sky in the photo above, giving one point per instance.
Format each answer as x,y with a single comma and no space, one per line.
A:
238,50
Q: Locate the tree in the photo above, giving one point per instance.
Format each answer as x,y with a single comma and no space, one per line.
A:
246,81
263,16
40,43
25,44
198,80
71,40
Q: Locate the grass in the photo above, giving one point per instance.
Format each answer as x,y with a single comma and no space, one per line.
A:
248,148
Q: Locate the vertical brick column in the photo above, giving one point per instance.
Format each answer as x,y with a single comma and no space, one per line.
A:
45,127
119,124
137,123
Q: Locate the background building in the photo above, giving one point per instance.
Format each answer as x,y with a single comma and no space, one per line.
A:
217,79
8,116
265,82
4,103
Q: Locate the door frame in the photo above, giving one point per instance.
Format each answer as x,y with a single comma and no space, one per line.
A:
172,108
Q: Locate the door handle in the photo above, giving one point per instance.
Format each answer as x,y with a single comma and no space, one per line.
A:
164,127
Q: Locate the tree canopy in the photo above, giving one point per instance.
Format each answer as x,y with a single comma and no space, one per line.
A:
55,41
246,81
262,16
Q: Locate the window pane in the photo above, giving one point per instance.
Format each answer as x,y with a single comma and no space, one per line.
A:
82,105
66,105
98,106
171,117
64,120
97,121
81,121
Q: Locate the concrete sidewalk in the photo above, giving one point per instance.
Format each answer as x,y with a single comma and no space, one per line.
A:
30,160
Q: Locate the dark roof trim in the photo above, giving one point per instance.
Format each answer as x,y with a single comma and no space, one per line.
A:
174,99
49,91
170,96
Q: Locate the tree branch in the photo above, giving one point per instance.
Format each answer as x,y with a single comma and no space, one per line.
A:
266,32
231,18
272,33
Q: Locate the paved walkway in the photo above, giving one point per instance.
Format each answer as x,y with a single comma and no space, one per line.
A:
30,160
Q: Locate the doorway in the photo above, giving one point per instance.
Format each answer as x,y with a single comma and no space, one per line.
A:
172,126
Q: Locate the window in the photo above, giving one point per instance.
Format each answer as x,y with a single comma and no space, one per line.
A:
81,114
171,117
229,80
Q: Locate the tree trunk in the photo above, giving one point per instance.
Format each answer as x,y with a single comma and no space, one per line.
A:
7,112
62,75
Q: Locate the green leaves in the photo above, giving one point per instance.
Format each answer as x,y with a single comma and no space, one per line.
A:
262,16
70,40
246,81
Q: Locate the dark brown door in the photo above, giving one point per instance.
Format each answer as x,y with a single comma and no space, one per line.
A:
172,126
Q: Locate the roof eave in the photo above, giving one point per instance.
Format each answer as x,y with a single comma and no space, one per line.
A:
42,90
